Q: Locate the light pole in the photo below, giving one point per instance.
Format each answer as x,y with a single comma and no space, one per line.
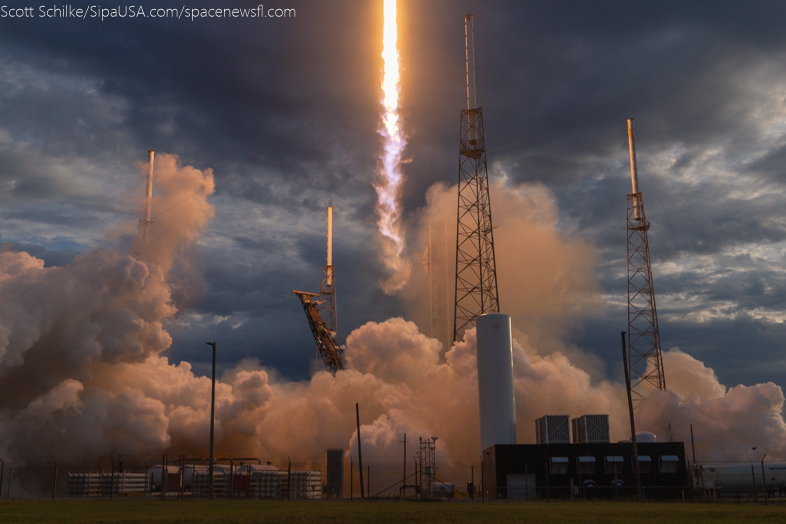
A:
764,481
637,471
212,419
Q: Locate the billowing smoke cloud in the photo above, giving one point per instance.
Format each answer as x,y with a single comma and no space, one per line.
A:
741,423
81,366
546,277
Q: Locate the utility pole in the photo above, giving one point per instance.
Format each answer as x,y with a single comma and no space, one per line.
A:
632,422
360,453
692,445
764,481
404,478
212,419
54,479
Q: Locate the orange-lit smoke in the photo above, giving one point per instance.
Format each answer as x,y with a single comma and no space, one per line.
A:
83,374
391,179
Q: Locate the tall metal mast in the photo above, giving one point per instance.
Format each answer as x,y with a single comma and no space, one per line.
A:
645,361
476,270
144,223
327,290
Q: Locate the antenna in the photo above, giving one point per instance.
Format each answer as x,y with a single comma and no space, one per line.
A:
469,43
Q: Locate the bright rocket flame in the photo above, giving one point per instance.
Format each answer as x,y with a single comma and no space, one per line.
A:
391,178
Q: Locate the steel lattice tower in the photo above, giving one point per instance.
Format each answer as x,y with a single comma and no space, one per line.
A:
645,361
476,270
427,462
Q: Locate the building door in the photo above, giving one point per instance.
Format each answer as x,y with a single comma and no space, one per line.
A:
521,487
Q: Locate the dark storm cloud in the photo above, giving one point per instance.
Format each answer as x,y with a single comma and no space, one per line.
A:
81,102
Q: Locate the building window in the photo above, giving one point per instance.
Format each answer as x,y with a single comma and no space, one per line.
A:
644,463
613,462
559,465
586,465
669,463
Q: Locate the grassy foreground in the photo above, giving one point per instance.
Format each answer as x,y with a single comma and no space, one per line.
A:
382,512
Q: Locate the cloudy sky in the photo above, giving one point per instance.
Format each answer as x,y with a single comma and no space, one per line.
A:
81,101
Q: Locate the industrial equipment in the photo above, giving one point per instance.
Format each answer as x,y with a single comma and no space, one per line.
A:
495,380
591,429
552,429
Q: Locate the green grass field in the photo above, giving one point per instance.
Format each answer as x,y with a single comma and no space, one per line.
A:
383,512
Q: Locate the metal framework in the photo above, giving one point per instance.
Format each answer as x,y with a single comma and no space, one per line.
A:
329,349
645,362
476,270
327,289
427,464
327,303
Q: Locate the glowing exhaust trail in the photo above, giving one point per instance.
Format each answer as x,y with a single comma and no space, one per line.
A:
391,179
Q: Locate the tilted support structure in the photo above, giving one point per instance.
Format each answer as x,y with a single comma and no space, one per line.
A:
329,349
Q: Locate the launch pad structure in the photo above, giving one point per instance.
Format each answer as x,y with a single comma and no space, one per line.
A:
645,360
476,271
327,289
320,309
329,349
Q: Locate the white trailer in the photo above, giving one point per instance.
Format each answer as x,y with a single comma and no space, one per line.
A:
734,479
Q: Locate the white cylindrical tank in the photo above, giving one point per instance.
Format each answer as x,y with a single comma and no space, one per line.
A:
495,380
645,436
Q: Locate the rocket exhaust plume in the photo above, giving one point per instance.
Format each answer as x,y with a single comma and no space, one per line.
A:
391,179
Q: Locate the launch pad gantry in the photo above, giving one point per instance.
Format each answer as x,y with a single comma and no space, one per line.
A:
321,312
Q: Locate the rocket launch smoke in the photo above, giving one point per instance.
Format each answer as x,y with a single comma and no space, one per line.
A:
390,176
82,374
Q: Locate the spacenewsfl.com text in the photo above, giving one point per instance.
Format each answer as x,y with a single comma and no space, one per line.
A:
138,11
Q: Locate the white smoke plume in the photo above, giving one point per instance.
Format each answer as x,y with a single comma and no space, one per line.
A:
82,376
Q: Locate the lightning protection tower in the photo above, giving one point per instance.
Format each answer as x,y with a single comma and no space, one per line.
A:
143,232
645,362
476,270
327,289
